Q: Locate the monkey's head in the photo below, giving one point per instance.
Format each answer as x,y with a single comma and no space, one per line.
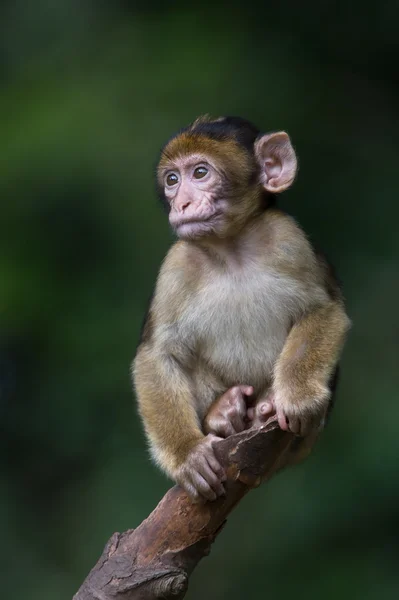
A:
215,174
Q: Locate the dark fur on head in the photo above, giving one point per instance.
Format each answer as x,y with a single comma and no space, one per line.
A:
242,131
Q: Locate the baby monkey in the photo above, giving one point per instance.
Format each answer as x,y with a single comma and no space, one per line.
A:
247,320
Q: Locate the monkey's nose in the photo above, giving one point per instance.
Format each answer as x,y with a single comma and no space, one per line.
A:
184,206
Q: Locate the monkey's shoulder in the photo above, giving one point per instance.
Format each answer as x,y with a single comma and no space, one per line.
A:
294,254
177,279
183,264
287,242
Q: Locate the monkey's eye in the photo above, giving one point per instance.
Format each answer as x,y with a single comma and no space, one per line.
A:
171,179
200,172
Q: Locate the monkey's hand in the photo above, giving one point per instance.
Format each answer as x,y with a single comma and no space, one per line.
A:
228,413
201,475
301,411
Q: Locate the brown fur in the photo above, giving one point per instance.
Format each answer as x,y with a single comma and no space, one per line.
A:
165,364
234,164
258,308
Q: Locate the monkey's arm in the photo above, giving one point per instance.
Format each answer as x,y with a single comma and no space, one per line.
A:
305,365
166,405
166,399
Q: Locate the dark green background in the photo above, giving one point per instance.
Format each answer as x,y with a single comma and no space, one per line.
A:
89,92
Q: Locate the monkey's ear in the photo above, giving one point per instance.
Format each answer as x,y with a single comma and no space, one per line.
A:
277,160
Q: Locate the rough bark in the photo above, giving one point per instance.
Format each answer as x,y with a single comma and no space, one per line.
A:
156,559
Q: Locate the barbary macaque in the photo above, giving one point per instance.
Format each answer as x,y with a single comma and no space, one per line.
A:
247,320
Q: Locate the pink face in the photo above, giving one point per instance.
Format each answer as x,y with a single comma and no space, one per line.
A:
193,188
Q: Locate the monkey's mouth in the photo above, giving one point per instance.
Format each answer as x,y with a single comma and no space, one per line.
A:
194,226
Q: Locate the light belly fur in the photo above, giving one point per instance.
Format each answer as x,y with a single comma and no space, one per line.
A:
237,329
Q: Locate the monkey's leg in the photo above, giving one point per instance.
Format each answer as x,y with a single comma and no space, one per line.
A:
228,414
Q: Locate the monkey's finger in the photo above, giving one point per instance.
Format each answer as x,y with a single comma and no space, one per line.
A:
264,409
294,424
282,421
221,427
242,408
250,413
237,421
236,400
216,467
226,429
247,390
192,492
212,479
202,486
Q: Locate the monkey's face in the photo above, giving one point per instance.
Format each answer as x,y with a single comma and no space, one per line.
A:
194,190
212,175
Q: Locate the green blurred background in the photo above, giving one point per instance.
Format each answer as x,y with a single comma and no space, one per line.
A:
89,92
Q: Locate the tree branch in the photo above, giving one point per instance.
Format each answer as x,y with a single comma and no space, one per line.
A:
156,559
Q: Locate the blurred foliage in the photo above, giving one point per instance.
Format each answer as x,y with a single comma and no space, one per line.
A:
89,92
